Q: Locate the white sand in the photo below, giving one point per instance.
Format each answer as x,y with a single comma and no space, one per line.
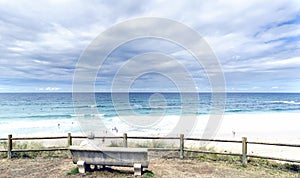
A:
263,127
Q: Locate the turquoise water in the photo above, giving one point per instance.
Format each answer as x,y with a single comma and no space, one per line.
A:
26,113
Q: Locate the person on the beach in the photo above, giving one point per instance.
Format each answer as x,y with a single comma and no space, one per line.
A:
233,133
115,129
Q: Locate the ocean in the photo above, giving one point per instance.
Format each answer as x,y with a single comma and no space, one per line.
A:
56,114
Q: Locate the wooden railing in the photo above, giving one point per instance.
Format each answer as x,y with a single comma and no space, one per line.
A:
181,149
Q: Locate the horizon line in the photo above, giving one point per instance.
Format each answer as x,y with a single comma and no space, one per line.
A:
20,92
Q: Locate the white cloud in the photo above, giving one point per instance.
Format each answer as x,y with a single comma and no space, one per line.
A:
52,89
256,41
48,89
290,62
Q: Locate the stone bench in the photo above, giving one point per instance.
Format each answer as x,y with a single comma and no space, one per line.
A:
84,156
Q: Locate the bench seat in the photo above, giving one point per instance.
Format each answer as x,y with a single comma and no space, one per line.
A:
110,156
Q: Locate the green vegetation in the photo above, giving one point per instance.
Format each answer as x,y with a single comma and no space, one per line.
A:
3,145
143,144
153,144
274,165
216,157
31,154
109,172
204,148
116,144
235,161
148,174
73,171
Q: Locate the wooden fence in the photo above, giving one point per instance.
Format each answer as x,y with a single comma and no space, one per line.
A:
181,149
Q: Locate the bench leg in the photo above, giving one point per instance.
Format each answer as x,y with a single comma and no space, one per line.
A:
100,167
137,169
81,166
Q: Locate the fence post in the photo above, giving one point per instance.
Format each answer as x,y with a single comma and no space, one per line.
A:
125,140
181,146
9,146
244,150
69,139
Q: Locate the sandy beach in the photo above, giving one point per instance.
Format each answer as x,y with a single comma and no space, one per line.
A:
263,127
257,127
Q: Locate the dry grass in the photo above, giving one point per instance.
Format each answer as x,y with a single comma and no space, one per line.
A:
59,167
56,164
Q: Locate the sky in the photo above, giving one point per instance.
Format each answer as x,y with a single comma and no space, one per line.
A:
257,43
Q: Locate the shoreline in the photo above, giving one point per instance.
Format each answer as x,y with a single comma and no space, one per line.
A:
231,126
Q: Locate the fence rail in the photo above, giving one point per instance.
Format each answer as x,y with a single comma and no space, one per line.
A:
39,138
181,149
275,144
212,140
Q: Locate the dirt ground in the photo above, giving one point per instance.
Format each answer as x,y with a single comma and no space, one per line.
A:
59,167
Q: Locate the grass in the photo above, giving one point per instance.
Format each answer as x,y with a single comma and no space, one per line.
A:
108,172
274,165
223,158
143,144
73,171
233,161
31,145
252,162
148,174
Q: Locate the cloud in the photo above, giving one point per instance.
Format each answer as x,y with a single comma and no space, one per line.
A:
48,89
256,42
